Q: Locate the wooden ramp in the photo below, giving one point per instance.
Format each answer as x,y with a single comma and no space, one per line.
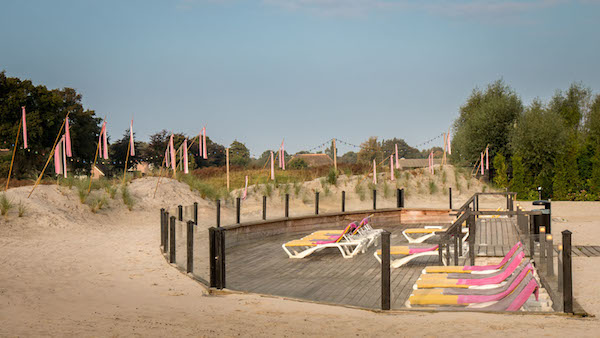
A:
263,267
495,236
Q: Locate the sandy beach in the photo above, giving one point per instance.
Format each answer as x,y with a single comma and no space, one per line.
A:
68,272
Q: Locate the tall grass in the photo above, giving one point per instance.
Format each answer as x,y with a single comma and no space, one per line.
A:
332,176
433,188
22,209
127,198
386,189
5,204
359,189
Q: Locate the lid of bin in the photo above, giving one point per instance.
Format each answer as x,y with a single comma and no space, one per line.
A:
542,211
541,202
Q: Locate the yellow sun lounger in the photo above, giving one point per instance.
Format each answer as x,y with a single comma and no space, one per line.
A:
478,268
347,245
410,253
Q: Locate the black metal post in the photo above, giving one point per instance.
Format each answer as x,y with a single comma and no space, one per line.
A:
221,260
316,203
374,199
166,238
264,207
238,202
531,239
567,273
447,249
540,193
560,269
162,229
212,247
287,205
476,202
472,236
450,197
180,213
190,246
385,271
397,198
196,213
402,198
456,249
218,266
172,240
343,201
542,241
218,213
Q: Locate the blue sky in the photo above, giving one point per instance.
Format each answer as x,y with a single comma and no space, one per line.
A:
307,70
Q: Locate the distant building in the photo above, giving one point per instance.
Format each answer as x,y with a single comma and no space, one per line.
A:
97,172
314,160
141,167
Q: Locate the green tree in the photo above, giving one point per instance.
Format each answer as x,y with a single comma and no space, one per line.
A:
369,150
538,136
501,178
404,150
571,105
46,111
520,182
487,118
239,154
118,151
349,157
594,181
592,124
566,173
297,163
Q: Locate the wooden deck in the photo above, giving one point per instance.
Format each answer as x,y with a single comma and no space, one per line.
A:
263,267
495,236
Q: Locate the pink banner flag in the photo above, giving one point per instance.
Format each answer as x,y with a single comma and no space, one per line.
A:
449,144
24,128
282,155
64,156
131,141
104,141
68,138
482,164
397,162
487,159
185,157
245,190
57,159
167,162
392,167
172,152
204,152
272,167
279,159
374,172
100,142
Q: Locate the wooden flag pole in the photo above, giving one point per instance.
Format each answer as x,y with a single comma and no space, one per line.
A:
334,156
49,157
227,155
13,155
95,157
126,160
444,156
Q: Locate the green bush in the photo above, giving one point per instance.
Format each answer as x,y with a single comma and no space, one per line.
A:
22,209
127,198
297,163
432,187
332,176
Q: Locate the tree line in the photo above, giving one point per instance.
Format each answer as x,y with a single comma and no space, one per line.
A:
46,111
554,145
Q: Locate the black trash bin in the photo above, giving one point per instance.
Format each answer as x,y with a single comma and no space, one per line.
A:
544,219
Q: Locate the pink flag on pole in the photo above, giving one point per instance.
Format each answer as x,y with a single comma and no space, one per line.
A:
68,138
64,156
449,144
272,167
100,142
167,162
185,157
24,128
172,152
392,168
374,173
245,190
131,142
283,155
397,162
57,159
104,142
487,159
205,153
482,164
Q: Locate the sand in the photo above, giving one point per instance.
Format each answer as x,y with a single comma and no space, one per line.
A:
102,274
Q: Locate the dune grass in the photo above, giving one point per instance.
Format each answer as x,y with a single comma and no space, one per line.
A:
5,204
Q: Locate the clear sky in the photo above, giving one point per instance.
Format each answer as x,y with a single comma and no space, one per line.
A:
307,70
